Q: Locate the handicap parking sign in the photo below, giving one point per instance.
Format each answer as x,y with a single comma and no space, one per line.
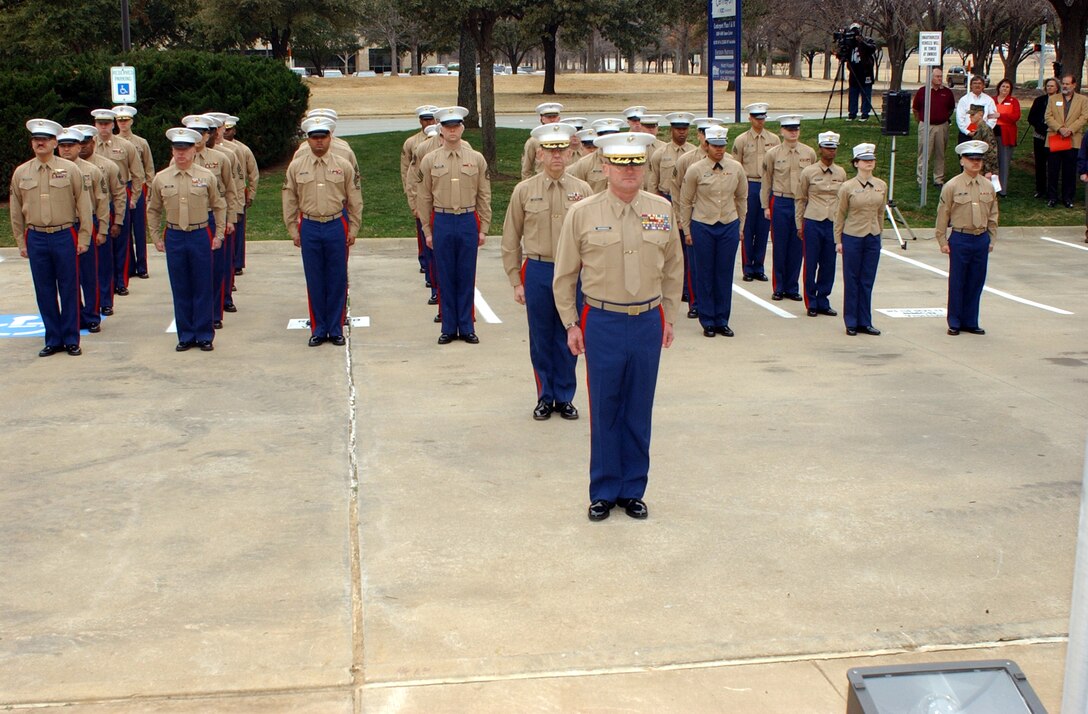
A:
21,326
123,84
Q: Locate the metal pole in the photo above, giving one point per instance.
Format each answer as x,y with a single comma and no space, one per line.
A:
1075,691
709,58
736,55
924,135
126,36
1042,55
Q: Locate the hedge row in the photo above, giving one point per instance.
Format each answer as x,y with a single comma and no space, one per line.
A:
267,97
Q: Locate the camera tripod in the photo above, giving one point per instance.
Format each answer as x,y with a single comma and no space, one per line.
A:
891,206
840,81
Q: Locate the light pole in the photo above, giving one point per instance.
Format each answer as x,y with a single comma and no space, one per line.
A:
126,36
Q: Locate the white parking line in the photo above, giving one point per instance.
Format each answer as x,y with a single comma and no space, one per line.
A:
1062,242
995,291
485,310
303,323
762,303
173,328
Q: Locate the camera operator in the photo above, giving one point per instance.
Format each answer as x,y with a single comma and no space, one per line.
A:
858,53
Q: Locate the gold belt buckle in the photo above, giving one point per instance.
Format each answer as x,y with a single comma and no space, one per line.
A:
633,310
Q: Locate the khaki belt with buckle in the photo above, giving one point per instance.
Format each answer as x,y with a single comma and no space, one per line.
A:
970,232
632,310
541,258
51,229
454,211
782,195
193,227
322,219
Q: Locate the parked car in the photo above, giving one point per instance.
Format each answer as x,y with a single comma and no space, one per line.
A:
958,75
333,73
436,69
300,71
525,69
366,73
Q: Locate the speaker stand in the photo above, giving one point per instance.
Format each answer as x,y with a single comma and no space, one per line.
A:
890,207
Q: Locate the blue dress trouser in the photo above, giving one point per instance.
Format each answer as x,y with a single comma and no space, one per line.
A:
189,265
421,248
716,253
105,266
54,270
786,256
456,240
138,264
122,251
966,277
430,269
820,259
88,281
753,247
622,358
860,256
219,271
553,364
325,262
240,242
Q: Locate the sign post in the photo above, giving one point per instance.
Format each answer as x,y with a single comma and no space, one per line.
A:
929,56
123,84
723,49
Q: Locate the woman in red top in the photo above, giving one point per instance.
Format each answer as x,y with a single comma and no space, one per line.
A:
1008,114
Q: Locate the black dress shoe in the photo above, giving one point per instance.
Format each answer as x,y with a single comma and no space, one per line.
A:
94,327
338,340
975,330
693,313
953,331
205,345
796,297
438,318
471,338
566,410
432,300
143,276
121,291
761,277
445,339
748,278
423,270
542,411
869,330
724,331
599,510
50,350
218,324
851,331
107,311
828,311
316,340
709,332
635,507
427,284
183,346
238,271
778,296
234,288
1068,204
230,307
73,350
1051,204
813,312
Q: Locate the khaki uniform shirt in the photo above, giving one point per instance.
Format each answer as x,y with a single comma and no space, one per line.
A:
589,169
658,144
337,146
454,179
534,218
712,196
782,168
684,163
968,205
818,192
185,198
237,173
115,186
216,162
599,234
531,167
49,194
406,151
663,178
861,208
424,147
750,149
124,154
143,152
321,187
94,185
249,168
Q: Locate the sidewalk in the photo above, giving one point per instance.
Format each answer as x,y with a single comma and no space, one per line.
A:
181,529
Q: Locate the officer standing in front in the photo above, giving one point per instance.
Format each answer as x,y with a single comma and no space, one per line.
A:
454,202
968,205
817,199
531,231
859,220
189,197
710,207
749,149
782,167
51,223
317,188
625,245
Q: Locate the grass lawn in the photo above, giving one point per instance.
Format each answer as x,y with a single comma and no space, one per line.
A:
385,212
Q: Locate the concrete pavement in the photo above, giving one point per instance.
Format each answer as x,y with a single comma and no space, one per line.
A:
181,530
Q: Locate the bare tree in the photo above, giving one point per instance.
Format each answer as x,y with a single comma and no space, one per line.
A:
1025,17
1073,18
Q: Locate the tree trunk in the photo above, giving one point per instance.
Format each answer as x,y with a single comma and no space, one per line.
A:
897,58
631,63
828,59
770,54
394,61
1073,25
683,47
484,28
549,58
466,80
591,53
415,57
281,42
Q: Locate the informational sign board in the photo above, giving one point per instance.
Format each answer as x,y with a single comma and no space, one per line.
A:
724,41
929,49
123,84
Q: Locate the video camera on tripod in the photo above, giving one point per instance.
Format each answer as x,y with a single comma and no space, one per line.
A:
849,39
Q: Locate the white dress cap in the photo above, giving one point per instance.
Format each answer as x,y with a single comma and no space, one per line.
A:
608,126
972,149
758,109
828,140
717,135
865,152
43,127
180,135
549,108
103,114
680,118
628,148
576,122
322,112
196,121
451,114
553,136
789,120
634,112
124,110
318,124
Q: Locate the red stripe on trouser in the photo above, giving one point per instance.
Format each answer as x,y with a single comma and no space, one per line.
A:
347,281
804,268
79,286
770,208
94,259
589,394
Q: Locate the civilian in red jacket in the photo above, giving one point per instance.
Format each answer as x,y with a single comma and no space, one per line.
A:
1008,114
